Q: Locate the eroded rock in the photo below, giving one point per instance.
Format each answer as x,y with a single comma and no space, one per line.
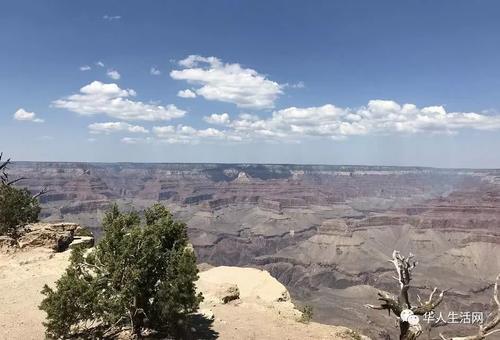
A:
228,292
55,236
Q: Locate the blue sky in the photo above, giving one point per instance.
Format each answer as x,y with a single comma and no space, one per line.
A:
332,82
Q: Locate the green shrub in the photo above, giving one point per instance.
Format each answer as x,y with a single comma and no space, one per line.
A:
17,208
307,314
138,276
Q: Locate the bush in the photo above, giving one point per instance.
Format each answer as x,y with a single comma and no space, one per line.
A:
138,276
17,208
307,314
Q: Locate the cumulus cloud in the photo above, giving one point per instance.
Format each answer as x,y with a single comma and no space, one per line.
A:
99,63
154,71
113,74
110,127
111,100
187,93
217,119
85,68
183,134
379,117
227,82
27,116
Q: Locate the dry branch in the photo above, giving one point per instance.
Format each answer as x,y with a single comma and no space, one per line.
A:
404,267
487,328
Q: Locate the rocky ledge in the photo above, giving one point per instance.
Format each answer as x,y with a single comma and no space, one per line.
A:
57,236
240,303
248,303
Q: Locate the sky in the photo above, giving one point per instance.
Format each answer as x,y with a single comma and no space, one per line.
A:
310,82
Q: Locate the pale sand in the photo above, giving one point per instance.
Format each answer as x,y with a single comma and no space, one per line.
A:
22,276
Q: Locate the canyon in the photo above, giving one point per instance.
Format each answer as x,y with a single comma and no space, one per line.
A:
325,232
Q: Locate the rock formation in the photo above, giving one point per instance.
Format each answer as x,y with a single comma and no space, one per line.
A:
57,236
325,232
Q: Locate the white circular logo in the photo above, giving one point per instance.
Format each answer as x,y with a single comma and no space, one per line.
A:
405,313
413,320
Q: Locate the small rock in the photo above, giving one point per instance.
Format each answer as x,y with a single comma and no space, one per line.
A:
85,241
228,292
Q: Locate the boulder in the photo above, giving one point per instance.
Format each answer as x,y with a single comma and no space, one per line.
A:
82,231
56,236
84,241
228,292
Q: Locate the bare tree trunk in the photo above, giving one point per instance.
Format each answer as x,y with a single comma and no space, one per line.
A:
409,332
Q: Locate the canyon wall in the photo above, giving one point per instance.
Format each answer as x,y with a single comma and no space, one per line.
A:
326,232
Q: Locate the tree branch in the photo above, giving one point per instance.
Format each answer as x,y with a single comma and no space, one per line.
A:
430,304
486,329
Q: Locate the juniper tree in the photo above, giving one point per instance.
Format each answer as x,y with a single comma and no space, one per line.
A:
17,206
138,276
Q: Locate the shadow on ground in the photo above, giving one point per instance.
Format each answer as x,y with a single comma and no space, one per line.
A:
201,328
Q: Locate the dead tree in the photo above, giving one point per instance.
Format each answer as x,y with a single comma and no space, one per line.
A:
4,176
488,328
397,304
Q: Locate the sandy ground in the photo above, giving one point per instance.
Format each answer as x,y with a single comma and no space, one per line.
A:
256,315
22,276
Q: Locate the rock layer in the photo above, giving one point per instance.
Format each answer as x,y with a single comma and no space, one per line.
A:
325,232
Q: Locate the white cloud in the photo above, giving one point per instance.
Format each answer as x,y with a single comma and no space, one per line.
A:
85,68
24,115
183,134
298,85
187,93
111,100
111,17
217,119
229,83
378,117
109,127
99,63
134,140
113,74
154,71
